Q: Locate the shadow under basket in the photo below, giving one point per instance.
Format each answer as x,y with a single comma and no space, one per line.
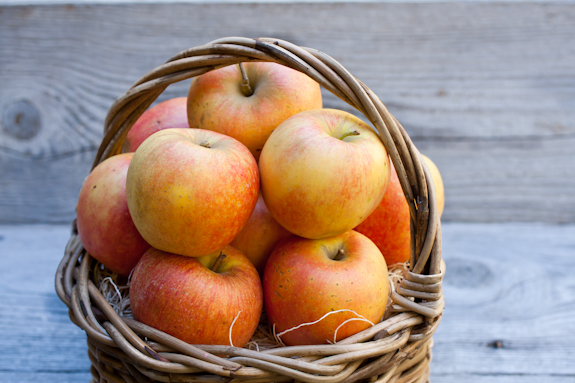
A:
397,349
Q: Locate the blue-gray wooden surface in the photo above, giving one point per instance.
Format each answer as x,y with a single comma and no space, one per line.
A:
512,283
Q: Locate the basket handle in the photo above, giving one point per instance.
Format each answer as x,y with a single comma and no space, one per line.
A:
412,172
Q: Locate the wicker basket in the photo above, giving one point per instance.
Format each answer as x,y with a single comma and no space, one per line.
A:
397,349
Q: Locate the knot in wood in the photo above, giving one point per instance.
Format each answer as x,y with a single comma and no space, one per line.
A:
21,120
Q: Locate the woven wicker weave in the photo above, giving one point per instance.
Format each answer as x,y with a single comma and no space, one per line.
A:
398,349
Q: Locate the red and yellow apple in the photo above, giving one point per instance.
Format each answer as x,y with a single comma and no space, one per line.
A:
259,236
171,113
104,222
305,279
323,172
196,300
388,226
217,102
191,191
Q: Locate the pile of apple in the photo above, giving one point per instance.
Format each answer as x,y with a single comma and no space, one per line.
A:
245,194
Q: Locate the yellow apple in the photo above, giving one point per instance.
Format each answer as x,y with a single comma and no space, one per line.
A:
437,182
323,172
190,191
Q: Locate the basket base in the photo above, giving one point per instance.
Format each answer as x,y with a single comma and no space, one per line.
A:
112,365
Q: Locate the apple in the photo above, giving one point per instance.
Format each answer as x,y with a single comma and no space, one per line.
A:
388,226
191,191
217,102
171,113
104,222
323,172
259,236
305,279
437,182
197,300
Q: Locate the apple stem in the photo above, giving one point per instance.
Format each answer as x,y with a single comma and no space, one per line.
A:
218,262
205,144
352,133
340,255
245,85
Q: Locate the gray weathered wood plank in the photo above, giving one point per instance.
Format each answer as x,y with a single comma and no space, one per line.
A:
511,283
40,342
504,282
487,90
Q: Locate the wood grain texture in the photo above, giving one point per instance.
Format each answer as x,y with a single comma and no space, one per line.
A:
511,283
485,89
504,282
40,342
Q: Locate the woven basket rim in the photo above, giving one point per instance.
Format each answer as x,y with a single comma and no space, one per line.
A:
122,349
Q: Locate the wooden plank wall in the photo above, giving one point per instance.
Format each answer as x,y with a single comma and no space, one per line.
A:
487,90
